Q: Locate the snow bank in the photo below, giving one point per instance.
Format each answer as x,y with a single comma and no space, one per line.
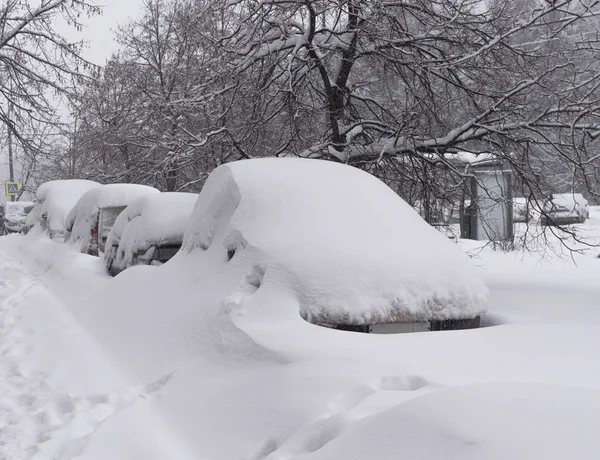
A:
347,247
54,200
84,215
151,220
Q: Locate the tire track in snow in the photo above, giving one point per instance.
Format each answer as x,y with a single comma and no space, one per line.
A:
36,422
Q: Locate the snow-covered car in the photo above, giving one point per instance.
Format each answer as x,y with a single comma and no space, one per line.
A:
91,219
564,209
522,212
149,231
53,202
333,243
14,214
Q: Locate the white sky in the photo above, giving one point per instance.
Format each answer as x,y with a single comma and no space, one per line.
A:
98,30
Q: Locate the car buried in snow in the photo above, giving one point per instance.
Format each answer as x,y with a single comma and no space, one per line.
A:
345,252
13,215
149,231
54,200
91,219
565,209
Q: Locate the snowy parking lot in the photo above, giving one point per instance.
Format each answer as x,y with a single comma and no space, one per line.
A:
163,363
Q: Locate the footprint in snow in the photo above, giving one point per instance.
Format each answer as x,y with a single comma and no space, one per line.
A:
316,435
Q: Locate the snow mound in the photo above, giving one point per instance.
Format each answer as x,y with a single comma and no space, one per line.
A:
342,242
84,215
151,220
54,200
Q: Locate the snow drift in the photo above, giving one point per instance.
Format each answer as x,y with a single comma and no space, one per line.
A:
84,215
348,248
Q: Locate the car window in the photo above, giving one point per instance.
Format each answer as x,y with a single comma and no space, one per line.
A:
164,253
107,219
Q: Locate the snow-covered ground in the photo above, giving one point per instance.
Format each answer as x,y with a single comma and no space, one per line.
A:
181,362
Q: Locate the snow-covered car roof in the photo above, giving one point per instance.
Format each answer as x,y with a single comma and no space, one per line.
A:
347,247
55,199
151,220
84,214
566,200
16,207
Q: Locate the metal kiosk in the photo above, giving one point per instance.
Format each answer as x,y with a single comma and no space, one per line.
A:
488,214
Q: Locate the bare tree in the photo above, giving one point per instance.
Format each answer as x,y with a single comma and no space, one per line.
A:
37,63
391,86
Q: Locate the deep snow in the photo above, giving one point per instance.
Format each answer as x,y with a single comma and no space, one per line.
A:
58,389
179,377
187,361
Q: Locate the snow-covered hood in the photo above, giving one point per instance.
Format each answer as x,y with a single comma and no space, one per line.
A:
348,248
15,218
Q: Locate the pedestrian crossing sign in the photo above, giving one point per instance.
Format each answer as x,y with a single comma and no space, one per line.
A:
12,188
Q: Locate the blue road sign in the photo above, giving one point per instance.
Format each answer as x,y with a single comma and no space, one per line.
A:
12,188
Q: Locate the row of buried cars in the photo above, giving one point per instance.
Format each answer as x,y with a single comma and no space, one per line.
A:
130,224
321,239
127,224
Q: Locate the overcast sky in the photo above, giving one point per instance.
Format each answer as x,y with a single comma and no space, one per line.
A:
98,30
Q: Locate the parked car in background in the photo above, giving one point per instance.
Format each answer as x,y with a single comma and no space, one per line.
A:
149,231
13,215
91,219
564,209
522,211
53,201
